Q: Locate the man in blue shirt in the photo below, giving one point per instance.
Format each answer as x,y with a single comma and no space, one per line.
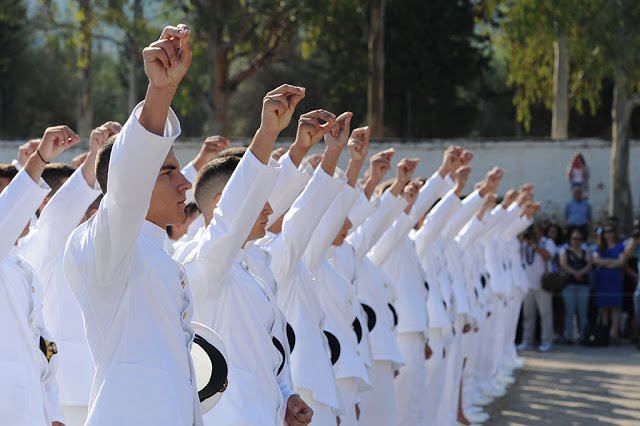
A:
577,213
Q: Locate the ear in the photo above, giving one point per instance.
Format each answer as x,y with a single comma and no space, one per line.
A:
216,200
44,203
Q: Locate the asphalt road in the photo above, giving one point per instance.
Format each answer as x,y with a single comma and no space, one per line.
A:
573,385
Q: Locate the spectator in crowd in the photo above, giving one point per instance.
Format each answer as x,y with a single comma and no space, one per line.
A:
576,262
578,173
538,250
632,251
608,295
553,232
577,213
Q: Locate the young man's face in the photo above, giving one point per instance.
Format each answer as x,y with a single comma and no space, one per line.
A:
344,231
259,228
4,182
168,196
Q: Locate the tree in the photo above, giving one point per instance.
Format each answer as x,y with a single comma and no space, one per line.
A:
235,39
375,95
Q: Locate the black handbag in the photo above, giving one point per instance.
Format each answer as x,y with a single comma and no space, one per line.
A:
553,281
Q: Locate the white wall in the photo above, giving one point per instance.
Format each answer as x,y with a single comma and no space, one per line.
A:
540,162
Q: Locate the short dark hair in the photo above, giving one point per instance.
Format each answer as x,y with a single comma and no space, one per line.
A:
211,180
8,171
55,175
102,163
233,151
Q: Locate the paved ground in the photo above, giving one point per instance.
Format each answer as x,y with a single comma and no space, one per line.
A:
574,386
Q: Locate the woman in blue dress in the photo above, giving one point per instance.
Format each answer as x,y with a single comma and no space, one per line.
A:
608,295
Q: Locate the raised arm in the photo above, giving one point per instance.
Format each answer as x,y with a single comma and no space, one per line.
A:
307,211
246,193
293,178
22,197
65,210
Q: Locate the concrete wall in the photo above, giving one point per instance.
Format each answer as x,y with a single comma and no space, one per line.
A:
540,162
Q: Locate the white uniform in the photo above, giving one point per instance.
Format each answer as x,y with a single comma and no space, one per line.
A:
311,371
240,306
373,288
28,389
43,248
396,254
338,301
135,299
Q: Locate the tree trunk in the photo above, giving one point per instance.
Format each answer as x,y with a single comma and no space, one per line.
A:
560,119
85,108
222,92
375,104
134,55
620,201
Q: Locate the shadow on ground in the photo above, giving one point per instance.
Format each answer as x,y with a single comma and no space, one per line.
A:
574,386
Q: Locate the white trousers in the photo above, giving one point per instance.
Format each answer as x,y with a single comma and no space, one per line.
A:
468,379
322,414
378,406
75,415
448,413
512,326
410,384
435,378
348,395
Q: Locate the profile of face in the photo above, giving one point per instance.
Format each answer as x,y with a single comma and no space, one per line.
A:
552,233
260,226
168,196
342,234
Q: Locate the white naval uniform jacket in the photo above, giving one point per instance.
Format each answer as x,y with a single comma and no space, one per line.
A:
297,293
371,283
43,248
336,294
28,387
234,301
135,299
395,253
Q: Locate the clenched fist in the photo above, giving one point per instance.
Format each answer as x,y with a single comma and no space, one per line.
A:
166,60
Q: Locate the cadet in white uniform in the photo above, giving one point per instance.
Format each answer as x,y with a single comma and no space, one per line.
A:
230,297
135,299
28,361
43,247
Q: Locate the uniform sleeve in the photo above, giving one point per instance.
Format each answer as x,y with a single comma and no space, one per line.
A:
367,234
362,208
53,404
435,221
58,219
299,223
18,202
136,158
243,198
434,188
391,238
289,185
469,207
328,228
471,232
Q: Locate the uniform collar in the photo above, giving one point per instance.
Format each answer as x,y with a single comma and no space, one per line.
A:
154,232
14,252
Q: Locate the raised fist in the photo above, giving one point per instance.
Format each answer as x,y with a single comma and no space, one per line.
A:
410,193
405,169
509,198
491,182
26,149
359,144
466,157
278,106
55,141
524,197
211,146
100,134
314,160
451,160
310,131
338,137
460,177
166,61
380,164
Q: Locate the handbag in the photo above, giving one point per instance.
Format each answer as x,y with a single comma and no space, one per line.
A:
552,281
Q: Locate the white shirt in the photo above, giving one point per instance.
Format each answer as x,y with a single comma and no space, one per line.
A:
535,263
43,248
297,294
135,299
28,389
234,301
